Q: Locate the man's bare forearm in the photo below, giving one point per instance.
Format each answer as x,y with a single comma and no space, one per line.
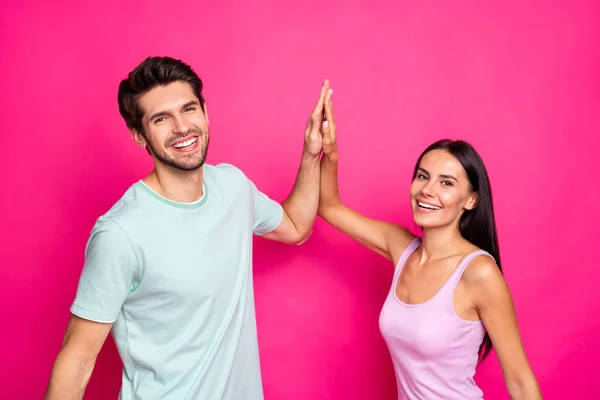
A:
70,377
303,202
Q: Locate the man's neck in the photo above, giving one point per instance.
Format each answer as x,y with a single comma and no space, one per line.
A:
176,185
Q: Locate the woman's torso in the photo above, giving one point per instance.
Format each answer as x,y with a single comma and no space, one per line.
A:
434,351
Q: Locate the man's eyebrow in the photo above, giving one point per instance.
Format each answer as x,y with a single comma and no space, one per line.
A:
190,103
157,115
163,113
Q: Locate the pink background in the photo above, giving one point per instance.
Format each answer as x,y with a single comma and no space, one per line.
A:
519,81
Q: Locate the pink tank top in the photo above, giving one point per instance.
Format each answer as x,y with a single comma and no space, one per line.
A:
433,350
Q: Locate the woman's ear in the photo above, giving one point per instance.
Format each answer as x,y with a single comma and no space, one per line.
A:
472,202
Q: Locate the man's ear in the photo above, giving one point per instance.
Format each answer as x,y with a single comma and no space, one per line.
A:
472,202
205,113
138,137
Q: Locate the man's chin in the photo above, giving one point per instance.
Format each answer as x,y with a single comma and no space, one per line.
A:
182,165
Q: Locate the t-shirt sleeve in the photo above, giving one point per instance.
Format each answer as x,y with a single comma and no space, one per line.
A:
109,273
267,212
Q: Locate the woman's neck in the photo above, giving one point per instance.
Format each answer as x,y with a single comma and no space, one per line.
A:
440,242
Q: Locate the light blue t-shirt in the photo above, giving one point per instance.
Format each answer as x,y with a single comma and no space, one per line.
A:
176,280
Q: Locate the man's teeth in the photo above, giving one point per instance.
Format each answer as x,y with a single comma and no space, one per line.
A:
187,143
428,206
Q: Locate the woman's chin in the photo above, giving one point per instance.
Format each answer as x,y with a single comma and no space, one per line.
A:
427,221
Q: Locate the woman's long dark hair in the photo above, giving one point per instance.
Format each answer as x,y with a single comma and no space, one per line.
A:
478,225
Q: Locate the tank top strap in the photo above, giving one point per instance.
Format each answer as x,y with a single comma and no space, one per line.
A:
452,282
412,246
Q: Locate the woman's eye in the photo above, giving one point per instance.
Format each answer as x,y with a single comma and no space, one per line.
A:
446,183
421,177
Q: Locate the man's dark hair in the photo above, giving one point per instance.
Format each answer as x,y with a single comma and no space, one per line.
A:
150,73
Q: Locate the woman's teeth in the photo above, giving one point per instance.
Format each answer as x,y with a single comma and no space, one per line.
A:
428,206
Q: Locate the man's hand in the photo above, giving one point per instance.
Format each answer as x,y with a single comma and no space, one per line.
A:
313,136
300,207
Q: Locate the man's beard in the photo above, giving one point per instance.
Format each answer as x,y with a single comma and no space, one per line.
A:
185,162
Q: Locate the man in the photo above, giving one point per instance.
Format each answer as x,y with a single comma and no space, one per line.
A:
168,267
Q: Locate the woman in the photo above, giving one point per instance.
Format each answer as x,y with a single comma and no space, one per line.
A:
448,302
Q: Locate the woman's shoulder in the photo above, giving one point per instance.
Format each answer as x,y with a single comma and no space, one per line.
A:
482,267
403,239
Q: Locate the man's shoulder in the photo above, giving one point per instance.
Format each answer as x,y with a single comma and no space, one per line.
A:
225,173
223,168
122,210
